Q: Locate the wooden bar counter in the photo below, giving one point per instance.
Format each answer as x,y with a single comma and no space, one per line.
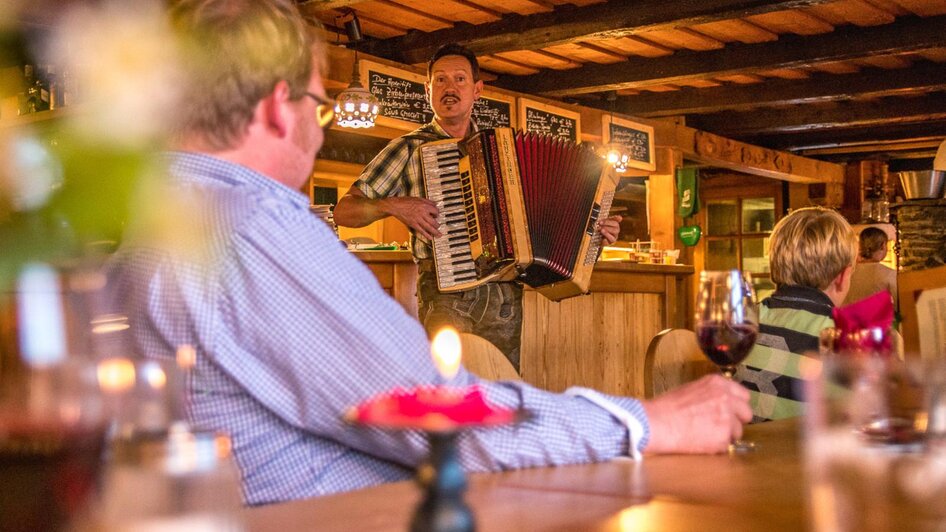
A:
596,340
599,340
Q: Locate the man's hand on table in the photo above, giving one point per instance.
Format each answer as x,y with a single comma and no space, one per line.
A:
698,417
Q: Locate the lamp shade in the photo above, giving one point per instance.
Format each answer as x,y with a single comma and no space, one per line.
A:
355,107
617,157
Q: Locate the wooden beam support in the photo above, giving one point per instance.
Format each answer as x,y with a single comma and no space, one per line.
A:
908,34
818,88
810,118
719,151
321,5
567,24
808,140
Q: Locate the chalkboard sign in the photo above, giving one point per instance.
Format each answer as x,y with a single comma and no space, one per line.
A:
541,118
489,112
400,92
637,140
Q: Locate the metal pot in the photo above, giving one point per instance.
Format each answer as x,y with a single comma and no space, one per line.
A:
923,183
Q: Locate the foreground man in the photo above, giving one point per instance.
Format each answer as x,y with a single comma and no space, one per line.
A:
290,329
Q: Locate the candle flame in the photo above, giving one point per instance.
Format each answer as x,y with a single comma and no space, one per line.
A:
446,352
116,374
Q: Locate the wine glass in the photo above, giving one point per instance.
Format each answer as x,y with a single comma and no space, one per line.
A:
727,323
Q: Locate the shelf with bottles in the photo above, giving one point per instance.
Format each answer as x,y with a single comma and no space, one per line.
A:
33,118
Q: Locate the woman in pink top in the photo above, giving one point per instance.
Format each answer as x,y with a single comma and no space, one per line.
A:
870,276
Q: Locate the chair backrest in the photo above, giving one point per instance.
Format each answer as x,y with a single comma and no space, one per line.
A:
673,358
485,360
910,285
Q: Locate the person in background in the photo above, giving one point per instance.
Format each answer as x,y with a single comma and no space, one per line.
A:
392,185
811,257
289,330
870,276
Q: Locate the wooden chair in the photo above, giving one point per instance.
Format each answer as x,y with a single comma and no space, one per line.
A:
673,358
485,360
910,285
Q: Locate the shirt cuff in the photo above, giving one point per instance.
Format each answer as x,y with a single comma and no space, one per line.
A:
631,415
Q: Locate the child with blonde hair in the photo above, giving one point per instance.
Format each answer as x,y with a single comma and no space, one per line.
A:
811,257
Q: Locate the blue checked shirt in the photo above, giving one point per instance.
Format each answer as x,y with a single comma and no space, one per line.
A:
291,330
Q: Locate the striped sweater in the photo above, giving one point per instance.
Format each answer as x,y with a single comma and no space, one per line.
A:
790,322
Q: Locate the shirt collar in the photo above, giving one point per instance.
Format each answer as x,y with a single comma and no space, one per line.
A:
804,293
201,168
435,126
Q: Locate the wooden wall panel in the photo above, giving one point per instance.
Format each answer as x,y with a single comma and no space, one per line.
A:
598,340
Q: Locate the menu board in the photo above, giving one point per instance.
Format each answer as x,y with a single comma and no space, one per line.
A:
493,110
538,117
637,140
401,93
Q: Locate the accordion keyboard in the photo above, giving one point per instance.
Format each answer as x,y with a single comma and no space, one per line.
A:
453,196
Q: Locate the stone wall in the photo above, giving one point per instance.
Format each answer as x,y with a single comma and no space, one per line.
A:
921,230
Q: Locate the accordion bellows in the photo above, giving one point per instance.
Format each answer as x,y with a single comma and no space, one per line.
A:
517,205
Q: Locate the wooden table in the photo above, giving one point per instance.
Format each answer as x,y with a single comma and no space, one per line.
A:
756,491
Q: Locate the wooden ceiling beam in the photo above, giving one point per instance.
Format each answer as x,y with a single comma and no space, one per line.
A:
711,149
887,111
321,5
908,34
828,138
568,24
819,88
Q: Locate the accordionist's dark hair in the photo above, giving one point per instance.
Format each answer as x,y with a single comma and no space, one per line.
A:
455,49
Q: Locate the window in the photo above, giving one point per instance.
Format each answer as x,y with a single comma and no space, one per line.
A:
737,235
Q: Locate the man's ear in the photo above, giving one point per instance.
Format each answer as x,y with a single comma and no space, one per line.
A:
477,89
273,111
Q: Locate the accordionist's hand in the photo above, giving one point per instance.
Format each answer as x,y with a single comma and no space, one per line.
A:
610,228
420,214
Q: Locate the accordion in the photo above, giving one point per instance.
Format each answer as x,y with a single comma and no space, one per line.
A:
517,205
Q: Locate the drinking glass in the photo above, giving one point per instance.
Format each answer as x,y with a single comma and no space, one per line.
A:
875,443
53,425
727,323
53,415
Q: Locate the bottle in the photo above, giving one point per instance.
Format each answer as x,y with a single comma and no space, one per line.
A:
43,89
28,98
55,88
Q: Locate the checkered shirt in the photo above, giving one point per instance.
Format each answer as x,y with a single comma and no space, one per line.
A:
397,171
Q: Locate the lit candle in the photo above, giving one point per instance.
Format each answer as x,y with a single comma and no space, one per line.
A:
116,375
446,352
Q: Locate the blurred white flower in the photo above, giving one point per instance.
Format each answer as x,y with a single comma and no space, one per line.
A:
123,58
29,173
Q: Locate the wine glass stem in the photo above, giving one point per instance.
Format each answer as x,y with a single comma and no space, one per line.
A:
736,445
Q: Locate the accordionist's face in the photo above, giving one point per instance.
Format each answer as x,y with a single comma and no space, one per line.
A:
452,90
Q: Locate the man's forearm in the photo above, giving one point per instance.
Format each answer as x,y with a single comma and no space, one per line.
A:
354,209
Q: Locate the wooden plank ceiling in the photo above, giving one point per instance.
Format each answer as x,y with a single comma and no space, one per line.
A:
830,79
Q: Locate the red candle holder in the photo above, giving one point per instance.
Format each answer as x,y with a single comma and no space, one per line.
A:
441,412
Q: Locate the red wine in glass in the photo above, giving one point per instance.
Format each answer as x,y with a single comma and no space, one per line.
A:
50,474
726,323
726,344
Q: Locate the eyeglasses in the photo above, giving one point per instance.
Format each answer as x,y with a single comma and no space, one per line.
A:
325,111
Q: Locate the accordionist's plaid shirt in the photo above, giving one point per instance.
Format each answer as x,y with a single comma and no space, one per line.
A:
397,171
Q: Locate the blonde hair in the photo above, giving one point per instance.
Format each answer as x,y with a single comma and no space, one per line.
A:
810,247
236,51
